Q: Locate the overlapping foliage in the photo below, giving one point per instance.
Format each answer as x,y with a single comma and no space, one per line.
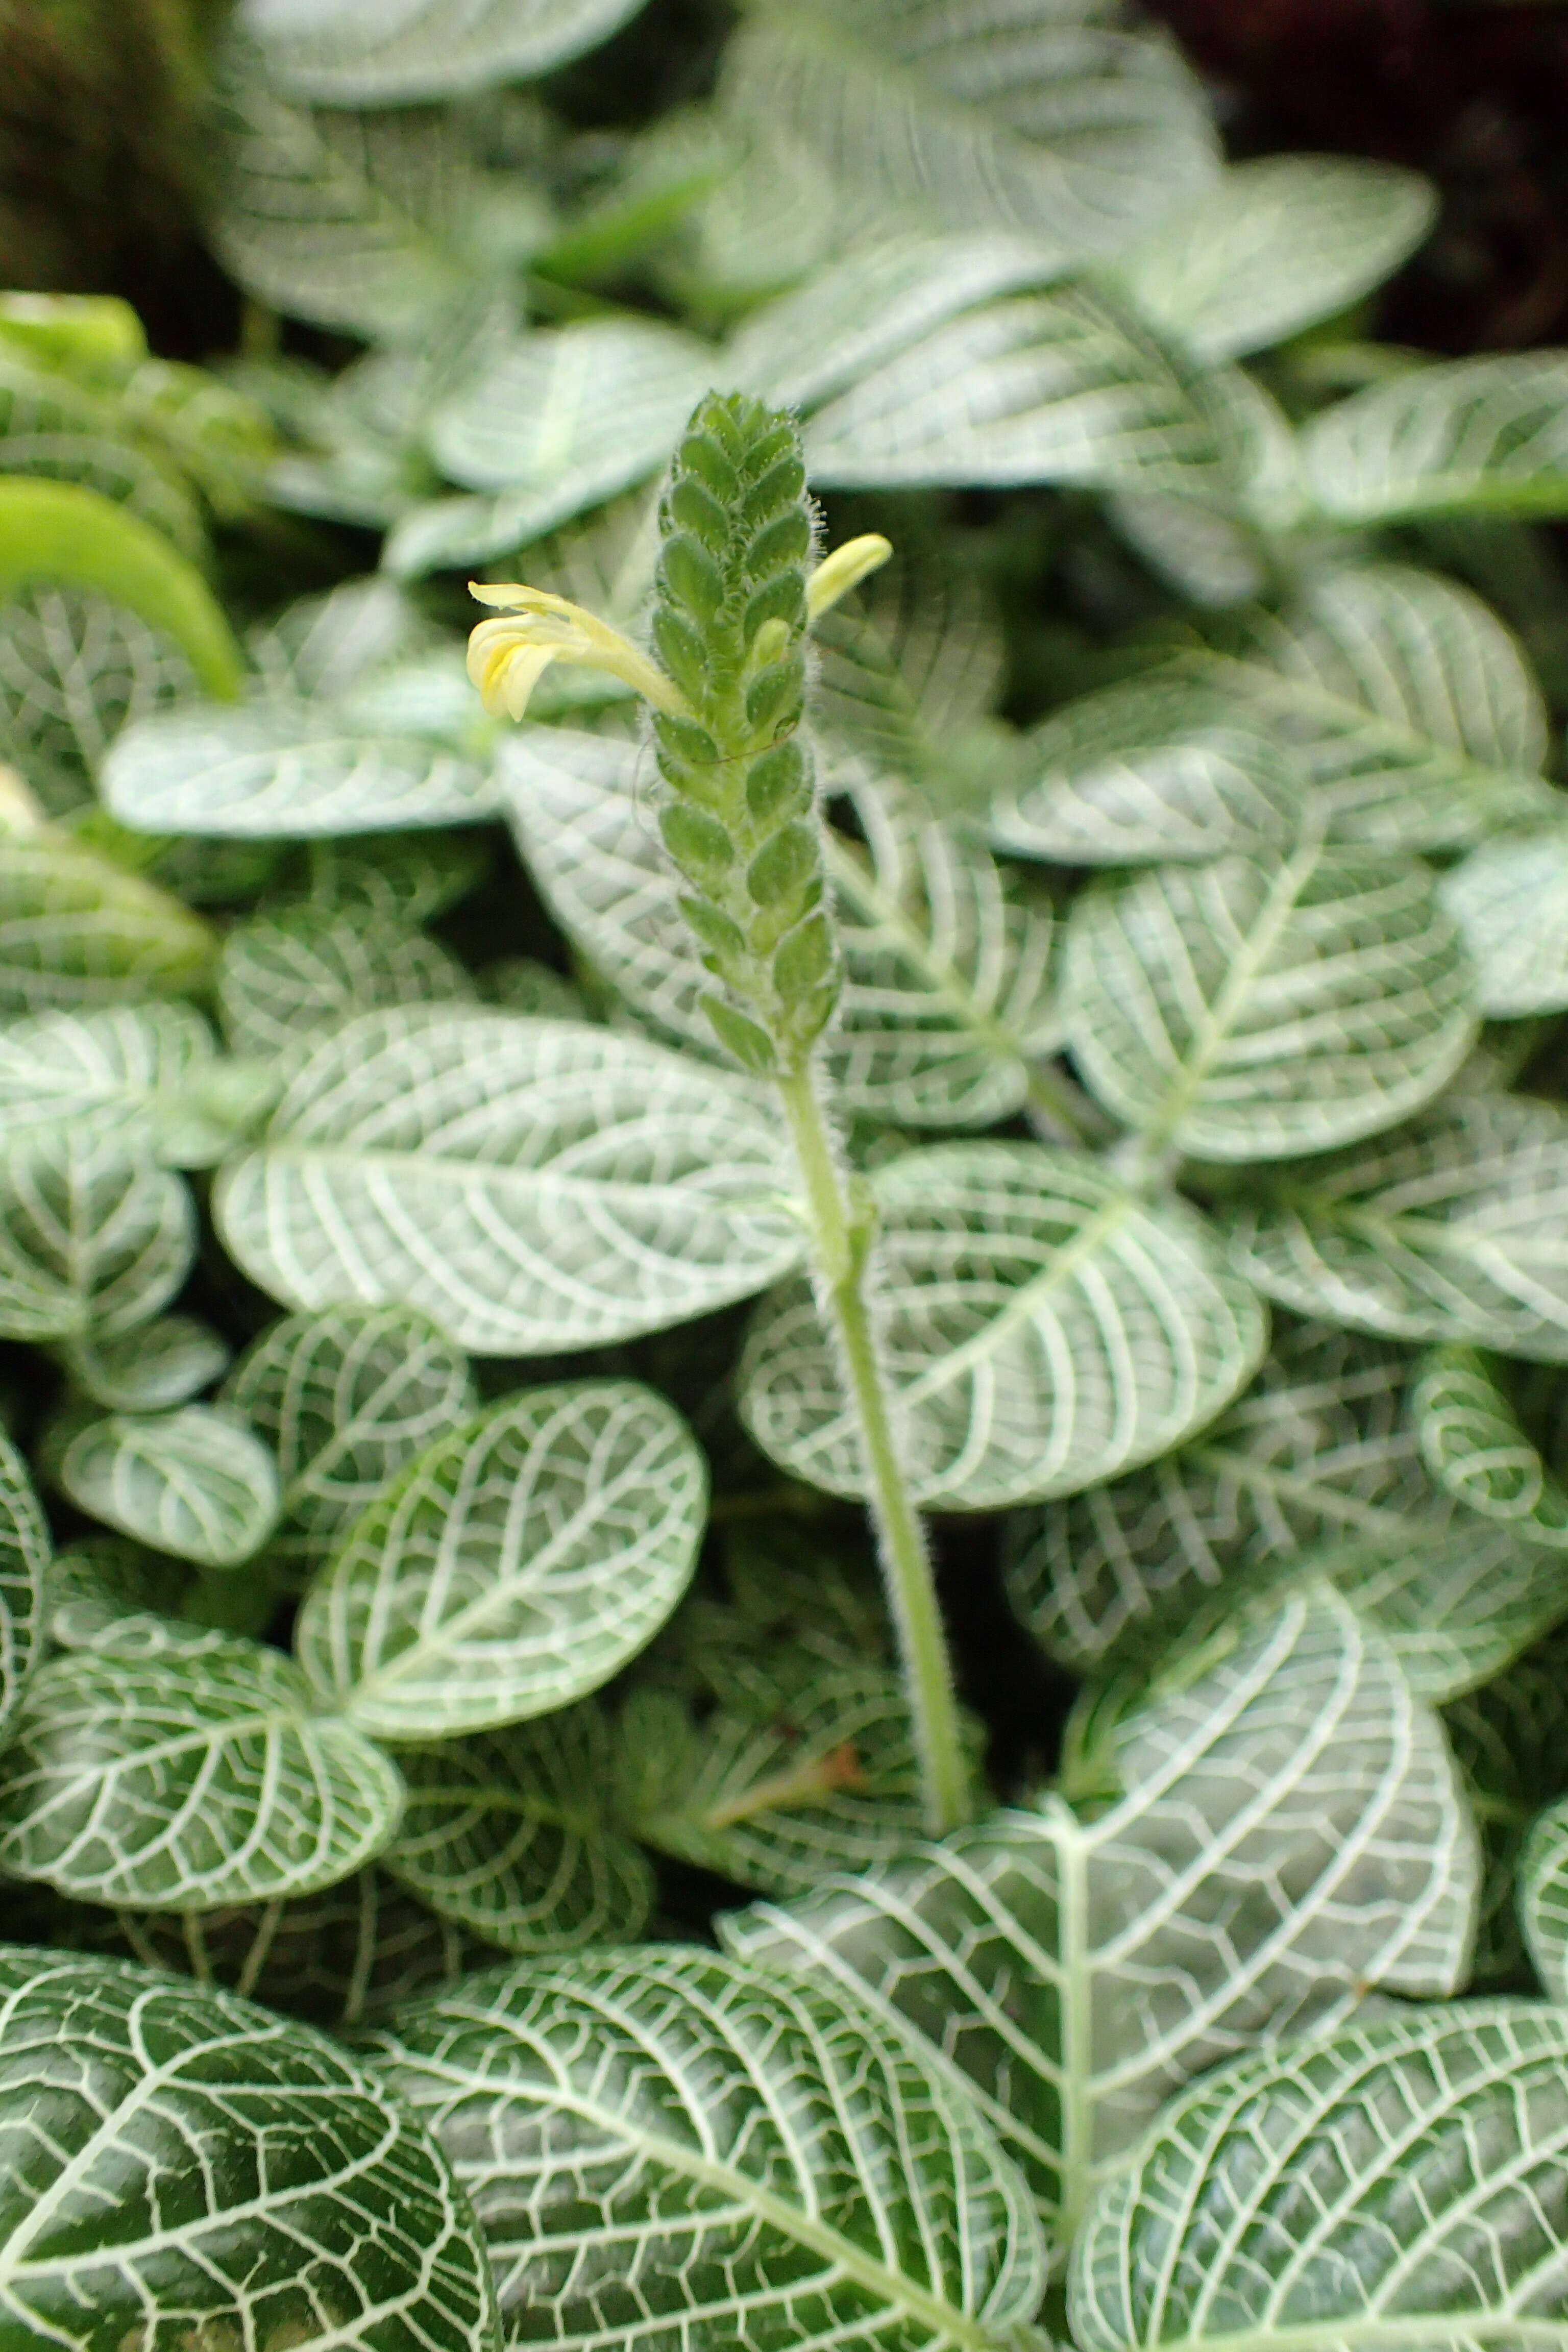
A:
454,1732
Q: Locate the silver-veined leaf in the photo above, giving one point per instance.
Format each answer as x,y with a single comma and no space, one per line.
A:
1544,1898
212,2175
407,877
1273,246
75,668
54,426
92,1239
148,1075
1079,1969
1043,1329
1455,1227
1474,1443
195,1483
278,770
1509,898
149,1370
757,2160
909,670
24,1565
1055,387
1043,119
1510,1740
828,1779
345,1398
75,932
948,997
111,1595
530,1185
1258,1009
1433,2143
365,53
1411,705
505,1834
188,1781
286,979
512,1568
1481,437
1158,767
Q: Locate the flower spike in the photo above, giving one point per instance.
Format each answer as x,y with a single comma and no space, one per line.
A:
507,656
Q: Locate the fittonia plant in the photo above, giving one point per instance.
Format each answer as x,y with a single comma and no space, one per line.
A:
950,1081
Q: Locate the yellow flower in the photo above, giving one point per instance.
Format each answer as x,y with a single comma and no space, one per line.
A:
845,569
507,658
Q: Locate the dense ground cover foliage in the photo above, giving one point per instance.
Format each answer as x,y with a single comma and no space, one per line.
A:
959,999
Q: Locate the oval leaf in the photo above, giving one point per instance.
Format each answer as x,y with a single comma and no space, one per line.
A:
91,1238
351,54
1474,1443
149,1073
286,980
75,932
193,1483
150,1370
24,1563
1509,900
1477,436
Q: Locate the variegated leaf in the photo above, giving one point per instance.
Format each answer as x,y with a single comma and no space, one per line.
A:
195,1483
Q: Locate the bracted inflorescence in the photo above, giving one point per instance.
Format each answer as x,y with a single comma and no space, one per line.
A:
739,814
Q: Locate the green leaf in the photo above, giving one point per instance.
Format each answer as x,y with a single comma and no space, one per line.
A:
195,1483
358,53
145,1076
285,980
1544,1898
1274,246
1509,900
285,770
585,1187
1058,388
407,877
506,1835
1161,767
75,668
1474,1443
188,1781
160,2206
1046,121
1455,1227
75,932
827,1780
1258,1009
92,1240
910,669
753,2158
947,1001
1043,1330
1510,1740
64,432
1475,437
1080,1968
109,1594
1434,2140
511,1569
346,1400
1411,705
149,1370
24,1564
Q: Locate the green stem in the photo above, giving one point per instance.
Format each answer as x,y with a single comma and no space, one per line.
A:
840,1247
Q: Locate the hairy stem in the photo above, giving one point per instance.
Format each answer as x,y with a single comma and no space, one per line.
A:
840,1252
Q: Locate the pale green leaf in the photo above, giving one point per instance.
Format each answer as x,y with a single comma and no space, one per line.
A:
1509,898
1272,246
1207,555
506,1835
697,2150
345,1398
1455,1227
210,2175
285,980
110,1594
67,433
909,670
151,1369
1482,436
24,1565
325,644
1161,767
92,1240
1080,1970
1056,387
1411,705
188,1781
367,53
195,1483
1510,1740
530,1185
1474,1442
1544,1898
75,932
1260,1008
512,1568
279,770
75,668
1042,1329
143,1076
1043,119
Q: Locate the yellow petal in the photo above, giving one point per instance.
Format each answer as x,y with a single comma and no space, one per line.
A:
845,569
